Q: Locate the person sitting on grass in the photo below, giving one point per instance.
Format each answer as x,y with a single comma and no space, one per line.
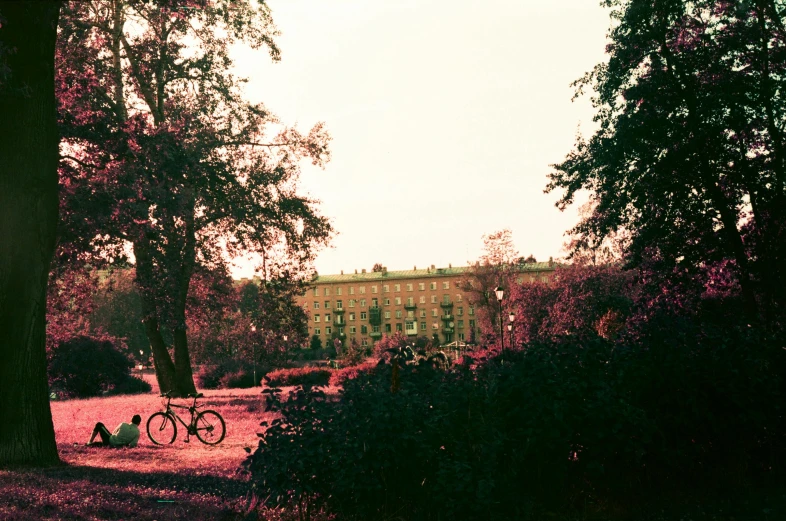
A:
125,435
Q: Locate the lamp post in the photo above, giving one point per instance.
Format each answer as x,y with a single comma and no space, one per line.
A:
511,318
500,293
254,351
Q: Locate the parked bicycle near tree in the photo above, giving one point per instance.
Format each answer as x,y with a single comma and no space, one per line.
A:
207,425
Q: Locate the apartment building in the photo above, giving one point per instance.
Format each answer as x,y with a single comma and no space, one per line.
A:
417,302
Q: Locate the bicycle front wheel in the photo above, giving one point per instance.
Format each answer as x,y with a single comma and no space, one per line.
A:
161,428
210,427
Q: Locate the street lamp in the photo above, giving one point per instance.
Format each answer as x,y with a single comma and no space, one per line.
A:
511,318
500,293
254,351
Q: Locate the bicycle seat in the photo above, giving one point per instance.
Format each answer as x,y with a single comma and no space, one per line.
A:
166,394
199,395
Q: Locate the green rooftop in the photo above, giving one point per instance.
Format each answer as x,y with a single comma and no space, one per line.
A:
370,276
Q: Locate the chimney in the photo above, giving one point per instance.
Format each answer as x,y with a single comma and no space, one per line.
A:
432,266
384,270
364,270
450,265
414,267
356,271
551,262
342,272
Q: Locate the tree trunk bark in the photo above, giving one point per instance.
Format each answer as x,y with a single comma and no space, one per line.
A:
28,227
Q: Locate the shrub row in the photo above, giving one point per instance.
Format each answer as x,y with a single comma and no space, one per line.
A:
564,423
298,376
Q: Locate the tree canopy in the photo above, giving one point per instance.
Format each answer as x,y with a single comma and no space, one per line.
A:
164,160
689,156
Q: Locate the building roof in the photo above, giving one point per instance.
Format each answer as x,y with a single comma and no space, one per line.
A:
412,274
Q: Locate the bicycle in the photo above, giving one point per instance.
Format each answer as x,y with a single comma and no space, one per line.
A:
207,425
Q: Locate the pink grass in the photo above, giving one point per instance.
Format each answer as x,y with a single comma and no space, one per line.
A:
100,483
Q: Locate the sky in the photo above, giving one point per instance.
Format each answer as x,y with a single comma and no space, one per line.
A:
445,117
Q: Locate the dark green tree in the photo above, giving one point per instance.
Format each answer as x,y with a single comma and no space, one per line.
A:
28,225
689,156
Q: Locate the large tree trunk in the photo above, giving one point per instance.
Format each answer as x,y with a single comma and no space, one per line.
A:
28,226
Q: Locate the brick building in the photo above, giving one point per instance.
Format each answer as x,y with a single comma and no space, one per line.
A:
417,302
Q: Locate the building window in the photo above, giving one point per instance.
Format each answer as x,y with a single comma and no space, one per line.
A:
460,324
339,304
457,285
316,292
422,312
411,327
434,312
373,289
397,287
387,301
409,287
422,286
433,299
352,316
446,285
353,330
375,329
327,317
374,303
387,328
398,313
327,292
386,288
341,331
410,301
423,299
461,336
338,291
459,296
398,327
387,314
327,304
363,330
352,290
410,314
352,303
363,315
364,342
362,290
446,298
422,326
316,318
472,324
316,305
433,286
460,311
544,279
435,325
472,310
328,330
317,331
362,302
398,301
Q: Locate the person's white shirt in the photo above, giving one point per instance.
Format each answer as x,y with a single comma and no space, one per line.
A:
126,434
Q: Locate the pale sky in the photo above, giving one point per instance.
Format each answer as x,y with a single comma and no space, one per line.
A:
445,117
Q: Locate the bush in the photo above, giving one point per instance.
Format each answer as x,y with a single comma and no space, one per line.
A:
85,366
339,376
237,380
298,376
132,385
566,422
228,374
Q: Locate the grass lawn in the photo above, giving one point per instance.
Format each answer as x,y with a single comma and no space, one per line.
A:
180,481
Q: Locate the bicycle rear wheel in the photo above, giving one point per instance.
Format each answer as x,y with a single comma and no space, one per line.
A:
210,427
161,428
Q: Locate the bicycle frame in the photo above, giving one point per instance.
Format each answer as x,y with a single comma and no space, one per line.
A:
191,409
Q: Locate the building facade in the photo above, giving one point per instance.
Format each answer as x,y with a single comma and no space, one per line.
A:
417,302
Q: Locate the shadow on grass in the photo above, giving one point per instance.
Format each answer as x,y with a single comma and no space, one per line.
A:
80,492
